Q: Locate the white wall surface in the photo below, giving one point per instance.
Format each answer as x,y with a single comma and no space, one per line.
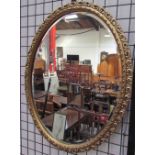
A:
87,45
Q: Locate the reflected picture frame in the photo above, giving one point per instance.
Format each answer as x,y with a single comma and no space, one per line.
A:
59,124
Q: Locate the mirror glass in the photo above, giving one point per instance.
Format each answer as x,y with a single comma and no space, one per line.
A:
76,77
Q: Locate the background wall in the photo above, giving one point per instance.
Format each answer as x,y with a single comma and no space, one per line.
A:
87,45
33,12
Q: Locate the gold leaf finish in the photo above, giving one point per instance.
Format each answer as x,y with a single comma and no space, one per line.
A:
125,56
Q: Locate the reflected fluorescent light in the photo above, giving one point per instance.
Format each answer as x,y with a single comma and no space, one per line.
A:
109,30
71,17
107,35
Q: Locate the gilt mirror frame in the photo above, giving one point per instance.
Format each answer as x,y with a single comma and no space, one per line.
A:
126,64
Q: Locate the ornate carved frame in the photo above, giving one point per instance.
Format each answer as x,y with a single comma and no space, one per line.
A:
126,82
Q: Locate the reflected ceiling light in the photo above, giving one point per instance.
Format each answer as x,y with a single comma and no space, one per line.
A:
109,30
107,35
71,17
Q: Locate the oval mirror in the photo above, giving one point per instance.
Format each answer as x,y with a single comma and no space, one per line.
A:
78,76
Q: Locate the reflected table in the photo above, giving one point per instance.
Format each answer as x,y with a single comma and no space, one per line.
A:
72,117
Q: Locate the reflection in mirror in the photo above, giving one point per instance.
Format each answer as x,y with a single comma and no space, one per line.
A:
76,77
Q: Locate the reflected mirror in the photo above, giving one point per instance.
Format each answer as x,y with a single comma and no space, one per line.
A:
76,77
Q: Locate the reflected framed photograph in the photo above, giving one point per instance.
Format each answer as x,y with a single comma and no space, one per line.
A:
59,52
103,56
59,124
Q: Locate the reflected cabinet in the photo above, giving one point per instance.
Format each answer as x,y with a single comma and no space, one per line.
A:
78,76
